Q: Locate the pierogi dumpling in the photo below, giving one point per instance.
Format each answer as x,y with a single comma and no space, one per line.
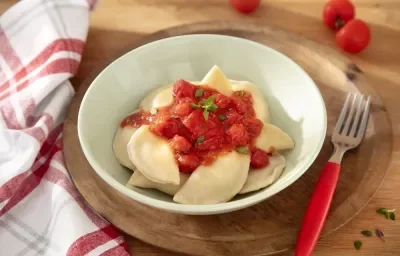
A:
273,138
155,166
260,104
263,177
153,156
216,183
217,80
120,142
157,98
139,180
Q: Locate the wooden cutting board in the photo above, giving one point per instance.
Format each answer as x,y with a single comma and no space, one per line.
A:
271,226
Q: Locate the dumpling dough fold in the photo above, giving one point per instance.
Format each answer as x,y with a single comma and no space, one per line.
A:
121,139
273,138
157,98
153,156
261,178
138,180
216,183
120,142
217,80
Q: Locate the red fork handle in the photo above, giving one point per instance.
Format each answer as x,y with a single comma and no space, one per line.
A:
317,210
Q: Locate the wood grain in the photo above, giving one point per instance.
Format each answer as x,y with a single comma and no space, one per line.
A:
117,24
271,226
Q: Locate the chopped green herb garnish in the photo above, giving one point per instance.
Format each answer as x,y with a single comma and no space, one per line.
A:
192,105
222,117
200,139
242,150
389,214
357,244
208,102
199,93
366,233
381,210
212,108
205,114
207,105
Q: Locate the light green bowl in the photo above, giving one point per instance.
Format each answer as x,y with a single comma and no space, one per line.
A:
295,103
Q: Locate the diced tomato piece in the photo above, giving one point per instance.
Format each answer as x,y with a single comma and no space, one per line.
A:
212,121
158,119
259,158
183,89
195,123
243,96
188,163
238,134
211,144
215,132
184,132
198,139
207,93
183,109
243,103
180,144
165,126
250,111
221,101
232,117
241,107
184,100
171,128
253,126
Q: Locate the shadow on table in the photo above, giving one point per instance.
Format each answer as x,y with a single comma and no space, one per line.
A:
103,46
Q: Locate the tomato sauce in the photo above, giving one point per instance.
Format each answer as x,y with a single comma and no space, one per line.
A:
202,124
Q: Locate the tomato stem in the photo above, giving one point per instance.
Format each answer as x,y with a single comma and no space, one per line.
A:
339,23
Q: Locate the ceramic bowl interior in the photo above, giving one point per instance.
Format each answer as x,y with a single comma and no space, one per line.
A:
295,103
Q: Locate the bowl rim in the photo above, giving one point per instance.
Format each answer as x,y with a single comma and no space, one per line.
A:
215,208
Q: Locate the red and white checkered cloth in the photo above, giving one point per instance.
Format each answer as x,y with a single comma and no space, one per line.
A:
41,213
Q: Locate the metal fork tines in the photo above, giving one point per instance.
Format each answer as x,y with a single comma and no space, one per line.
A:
351,125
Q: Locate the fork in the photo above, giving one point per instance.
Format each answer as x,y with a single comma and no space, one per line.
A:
348,134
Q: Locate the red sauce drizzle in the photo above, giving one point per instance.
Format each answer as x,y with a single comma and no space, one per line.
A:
196,137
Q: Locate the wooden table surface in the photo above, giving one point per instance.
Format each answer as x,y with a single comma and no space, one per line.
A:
115,24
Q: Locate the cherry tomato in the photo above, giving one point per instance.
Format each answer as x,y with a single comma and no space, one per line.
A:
337,13
245,6
354,36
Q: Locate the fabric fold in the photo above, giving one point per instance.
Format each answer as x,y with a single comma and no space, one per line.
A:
41,213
